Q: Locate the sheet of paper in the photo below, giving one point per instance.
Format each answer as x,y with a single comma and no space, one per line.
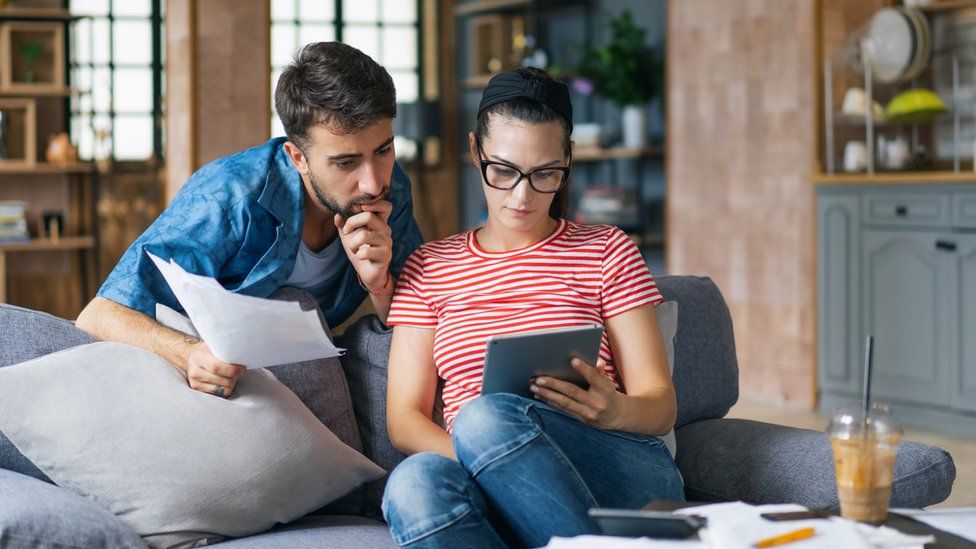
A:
247,330
955,520
738,525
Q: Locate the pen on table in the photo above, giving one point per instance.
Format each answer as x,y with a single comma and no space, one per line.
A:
788,537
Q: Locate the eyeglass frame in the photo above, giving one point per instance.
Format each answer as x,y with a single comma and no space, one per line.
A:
567,169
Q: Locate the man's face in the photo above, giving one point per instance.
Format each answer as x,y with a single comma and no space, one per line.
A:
343,171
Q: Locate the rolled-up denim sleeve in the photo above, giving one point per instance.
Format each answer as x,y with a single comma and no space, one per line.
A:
195,230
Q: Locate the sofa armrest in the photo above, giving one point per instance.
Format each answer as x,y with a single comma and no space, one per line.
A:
25,335
737,459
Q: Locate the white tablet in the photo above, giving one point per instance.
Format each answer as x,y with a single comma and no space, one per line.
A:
513,360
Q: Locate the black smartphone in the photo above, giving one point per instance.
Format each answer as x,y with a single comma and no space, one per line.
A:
636,523
794,515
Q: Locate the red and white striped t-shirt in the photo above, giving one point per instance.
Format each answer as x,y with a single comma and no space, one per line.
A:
579,275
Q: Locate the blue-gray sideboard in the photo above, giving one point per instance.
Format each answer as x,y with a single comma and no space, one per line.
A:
899,261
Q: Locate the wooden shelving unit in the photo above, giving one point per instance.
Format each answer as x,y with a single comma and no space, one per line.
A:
46,78
887,178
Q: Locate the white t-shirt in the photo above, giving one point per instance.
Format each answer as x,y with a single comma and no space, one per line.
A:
317,272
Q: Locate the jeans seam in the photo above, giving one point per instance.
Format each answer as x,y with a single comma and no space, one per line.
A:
448,524
539,433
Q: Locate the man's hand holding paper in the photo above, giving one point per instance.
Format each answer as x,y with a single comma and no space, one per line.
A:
244,330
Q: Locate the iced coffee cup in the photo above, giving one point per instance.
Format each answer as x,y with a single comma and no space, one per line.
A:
864,460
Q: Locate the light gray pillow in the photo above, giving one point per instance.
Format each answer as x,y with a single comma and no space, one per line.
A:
118,425
667,321
36,514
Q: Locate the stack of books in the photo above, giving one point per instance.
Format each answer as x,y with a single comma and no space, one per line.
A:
13,221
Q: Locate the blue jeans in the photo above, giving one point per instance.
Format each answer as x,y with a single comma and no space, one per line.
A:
526,472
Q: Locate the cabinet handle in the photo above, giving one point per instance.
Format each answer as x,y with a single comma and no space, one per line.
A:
901,211
945,245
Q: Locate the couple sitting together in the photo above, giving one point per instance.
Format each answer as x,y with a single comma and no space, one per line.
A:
327,210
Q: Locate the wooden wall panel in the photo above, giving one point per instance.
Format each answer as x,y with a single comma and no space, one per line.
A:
218,93
741,129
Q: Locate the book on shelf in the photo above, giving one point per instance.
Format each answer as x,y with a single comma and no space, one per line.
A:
13,221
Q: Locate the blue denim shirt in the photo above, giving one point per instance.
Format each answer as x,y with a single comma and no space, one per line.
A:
239,220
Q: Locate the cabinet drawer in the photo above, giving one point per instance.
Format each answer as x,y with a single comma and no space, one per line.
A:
906,209
964,210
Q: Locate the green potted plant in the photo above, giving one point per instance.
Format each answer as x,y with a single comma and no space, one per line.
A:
627,72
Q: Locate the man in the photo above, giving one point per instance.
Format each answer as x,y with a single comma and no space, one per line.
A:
326,210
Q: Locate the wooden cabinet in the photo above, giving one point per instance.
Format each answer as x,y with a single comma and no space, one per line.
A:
964,383
838,274
908,297
899,262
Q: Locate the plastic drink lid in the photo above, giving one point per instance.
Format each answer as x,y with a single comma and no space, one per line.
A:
849,422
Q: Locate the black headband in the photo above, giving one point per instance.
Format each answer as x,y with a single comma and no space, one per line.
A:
511,85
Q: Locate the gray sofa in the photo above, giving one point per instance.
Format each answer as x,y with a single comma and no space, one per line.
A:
719,459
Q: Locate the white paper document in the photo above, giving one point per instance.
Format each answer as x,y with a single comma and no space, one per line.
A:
738,525
245,330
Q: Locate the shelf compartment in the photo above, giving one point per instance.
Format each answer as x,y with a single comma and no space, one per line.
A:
32,57
18,134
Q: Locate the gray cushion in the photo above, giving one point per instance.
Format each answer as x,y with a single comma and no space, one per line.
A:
737,459
117,424
35,514
317,532
367,344
706,374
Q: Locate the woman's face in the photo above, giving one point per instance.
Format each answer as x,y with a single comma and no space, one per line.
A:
527,147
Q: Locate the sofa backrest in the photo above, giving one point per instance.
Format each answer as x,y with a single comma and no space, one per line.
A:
26,334
706,373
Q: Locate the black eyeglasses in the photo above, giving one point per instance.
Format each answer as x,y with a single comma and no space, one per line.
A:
503,176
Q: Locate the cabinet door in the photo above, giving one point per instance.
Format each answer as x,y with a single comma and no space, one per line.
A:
908,304
965,385
838,322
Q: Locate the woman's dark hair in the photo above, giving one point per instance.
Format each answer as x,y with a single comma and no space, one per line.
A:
333,84
527,110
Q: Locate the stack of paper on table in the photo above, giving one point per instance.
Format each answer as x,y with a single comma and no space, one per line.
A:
738,525
245,330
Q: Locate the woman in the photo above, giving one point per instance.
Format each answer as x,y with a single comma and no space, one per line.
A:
508,470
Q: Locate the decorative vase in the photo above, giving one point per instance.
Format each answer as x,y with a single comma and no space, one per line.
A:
634,127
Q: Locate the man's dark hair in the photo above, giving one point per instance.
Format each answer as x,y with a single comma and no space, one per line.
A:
533,112
333,84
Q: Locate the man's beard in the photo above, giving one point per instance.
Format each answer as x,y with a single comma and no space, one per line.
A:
331,204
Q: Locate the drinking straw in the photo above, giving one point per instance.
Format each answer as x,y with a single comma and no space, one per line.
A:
868,361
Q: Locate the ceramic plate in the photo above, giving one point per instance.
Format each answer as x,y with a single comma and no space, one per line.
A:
891,44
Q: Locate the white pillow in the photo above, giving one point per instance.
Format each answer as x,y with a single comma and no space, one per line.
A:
119,425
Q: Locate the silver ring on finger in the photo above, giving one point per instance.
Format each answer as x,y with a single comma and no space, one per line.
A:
218,390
